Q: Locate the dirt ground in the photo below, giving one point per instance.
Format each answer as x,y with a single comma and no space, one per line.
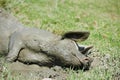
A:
35,72
56,72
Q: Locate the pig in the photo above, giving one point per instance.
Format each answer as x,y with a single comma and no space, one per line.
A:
41,47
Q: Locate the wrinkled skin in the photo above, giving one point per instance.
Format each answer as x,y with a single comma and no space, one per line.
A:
34,46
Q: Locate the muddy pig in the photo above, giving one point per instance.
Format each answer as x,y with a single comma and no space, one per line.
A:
36,46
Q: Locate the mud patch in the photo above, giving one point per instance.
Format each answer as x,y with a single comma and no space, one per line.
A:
35,72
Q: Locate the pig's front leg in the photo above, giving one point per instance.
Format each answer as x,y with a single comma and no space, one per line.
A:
15,45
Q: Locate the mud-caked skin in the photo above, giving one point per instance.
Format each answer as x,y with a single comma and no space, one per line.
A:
35,46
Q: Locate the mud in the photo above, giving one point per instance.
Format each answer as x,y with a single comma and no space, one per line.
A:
35,72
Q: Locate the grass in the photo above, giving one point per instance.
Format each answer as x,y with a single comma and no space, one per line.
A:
100,17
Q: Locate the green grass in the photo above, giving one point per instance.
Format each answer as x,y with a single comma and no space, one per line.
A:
100,17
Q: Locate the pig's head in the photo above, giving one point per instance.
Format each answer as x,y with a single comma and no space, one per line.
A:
68,53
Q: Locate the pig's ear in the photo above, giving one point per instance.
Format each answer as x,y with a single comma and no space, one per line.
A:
81,36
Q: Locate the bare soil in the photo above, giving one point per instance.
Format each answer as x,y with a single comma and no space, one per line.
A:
35,72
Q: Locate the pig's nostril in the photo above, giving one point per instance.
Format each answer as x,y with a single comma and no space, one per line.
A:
86,61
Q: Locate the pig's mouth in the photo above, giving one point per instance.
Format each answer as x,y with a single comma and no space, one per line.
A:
85,63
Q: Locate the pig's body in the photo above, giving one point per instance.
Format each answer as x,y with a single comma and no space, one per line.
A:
31,45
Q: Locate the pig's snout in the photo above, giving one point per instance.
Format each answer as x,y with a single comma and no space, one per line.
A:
86,62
